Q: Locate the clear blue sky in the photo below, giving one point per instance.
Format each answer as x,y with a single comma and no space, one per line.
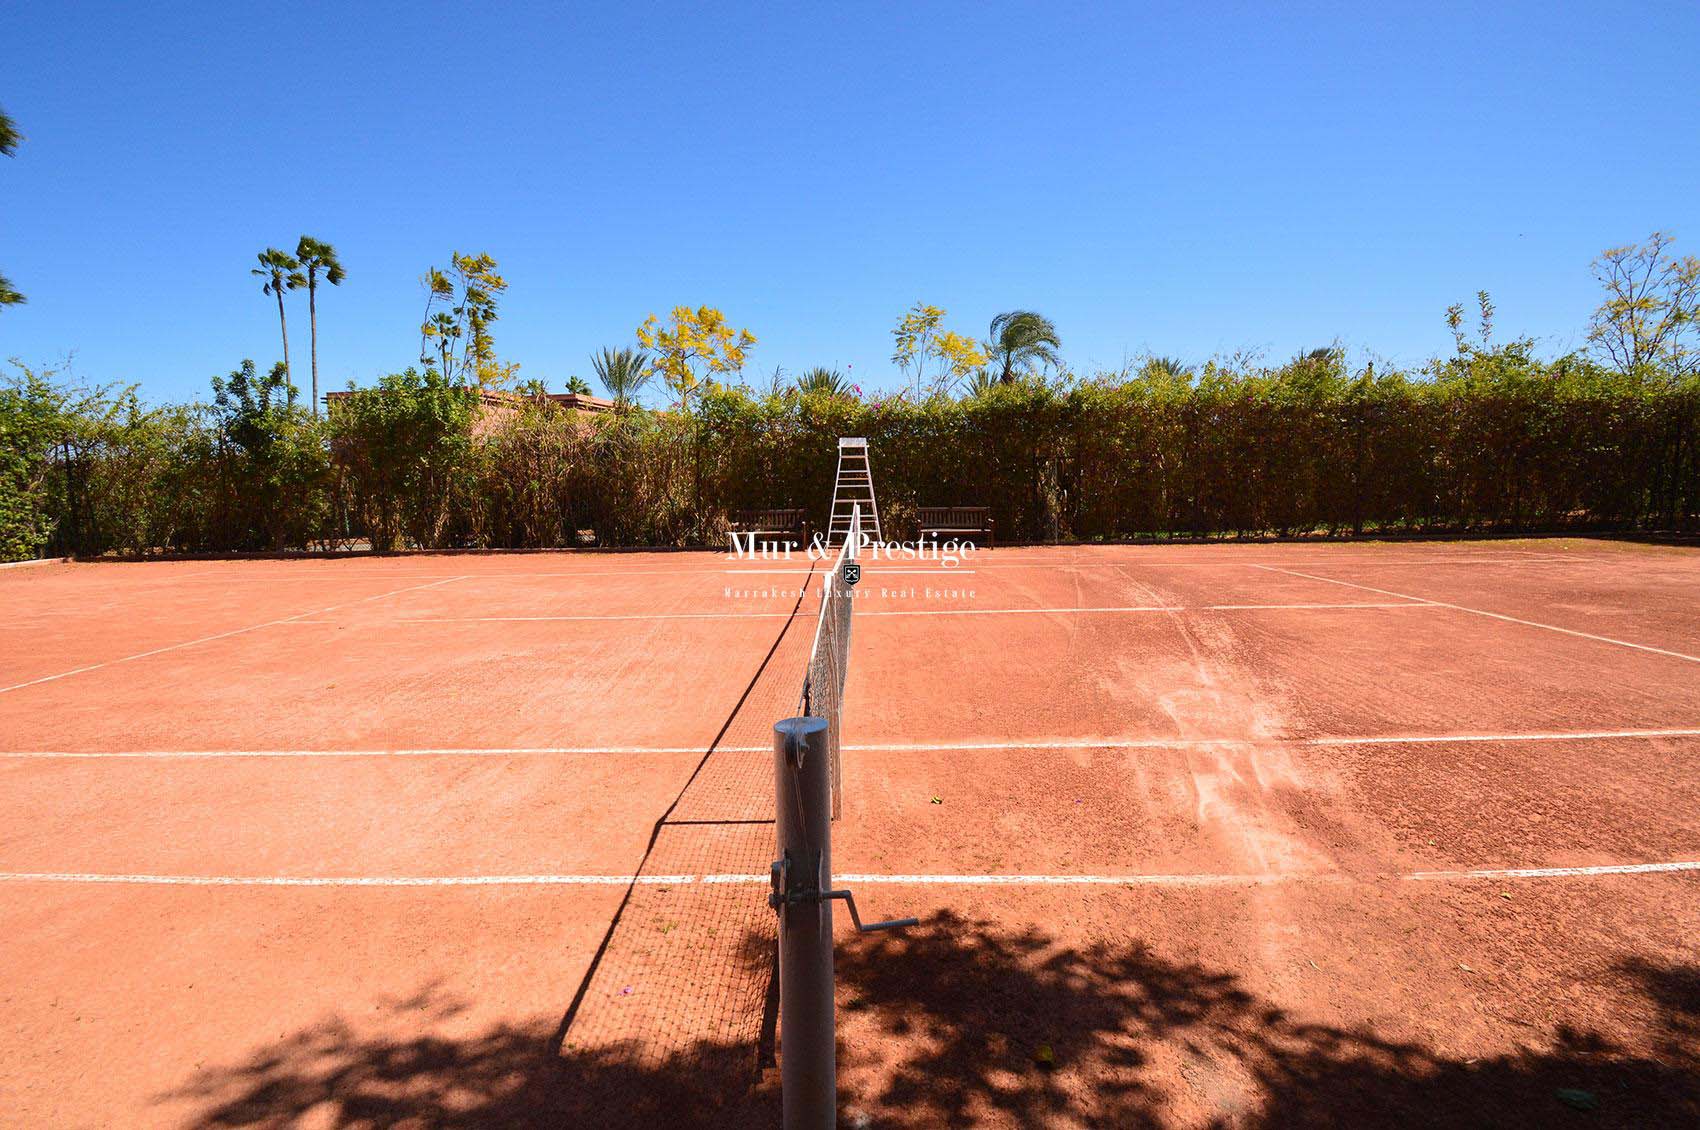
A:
1183,178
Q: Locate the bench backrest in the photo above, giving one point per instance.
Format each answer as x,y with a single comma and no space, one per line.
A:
779,519
955,517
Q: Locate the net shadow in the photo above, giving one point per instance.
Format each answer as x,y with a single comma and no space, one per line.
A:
684,969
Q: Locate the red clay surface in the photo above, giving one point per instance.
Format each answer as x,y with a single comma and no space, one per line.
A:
1200,836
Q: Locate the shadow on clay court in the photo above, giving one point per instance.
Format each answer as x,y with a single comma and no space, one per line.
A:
964,1023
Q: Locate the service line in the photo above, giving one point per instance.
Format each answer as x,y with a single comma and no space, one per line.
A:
1137,879
1489,615
1067,610
943,745
222,635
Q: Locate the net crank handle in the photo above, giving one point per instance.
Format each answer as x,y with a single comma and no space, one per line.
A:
889,924
786,892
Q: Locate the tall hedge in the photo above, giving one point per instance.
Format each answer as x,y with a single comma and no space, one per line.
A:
1484,442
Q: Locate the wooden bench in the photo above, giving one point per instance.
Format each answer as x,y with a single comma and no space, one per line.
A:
783,526
964,523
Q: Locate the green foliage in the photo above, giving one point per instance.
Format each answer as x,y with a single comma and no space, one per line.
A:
78,468
1649,322
270,460
31,419
1491,438
919,338
578,386
403,449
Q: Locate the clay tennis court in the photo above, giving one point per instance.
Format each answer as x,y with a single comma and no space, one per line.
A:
1239,835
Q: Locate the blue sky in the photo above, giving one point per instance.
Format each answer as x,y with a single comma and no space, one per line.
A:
1186,179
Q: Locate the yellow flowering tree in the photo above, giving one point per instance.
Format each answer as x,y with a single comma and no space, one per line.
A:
921,340
460,304
695,347
958,356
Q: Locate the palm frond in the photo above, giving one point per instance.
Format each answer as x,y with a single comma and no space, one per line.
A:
9,135
316,255
623,372
822,379
9,296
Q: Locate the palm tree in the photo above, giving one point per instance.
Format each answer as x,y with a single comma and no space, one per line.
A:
980,382
821,379
1172,367
1022,339
9,135
9,138
623,372
281,272
315,256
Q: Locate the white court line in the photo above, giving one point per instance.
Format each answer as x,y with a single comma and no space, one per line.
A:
1203,743
350,880
1113,609
553,619
1558,872
1489,615
445,751
869,570
220,636
1179,879
878,747
1059,611
708,569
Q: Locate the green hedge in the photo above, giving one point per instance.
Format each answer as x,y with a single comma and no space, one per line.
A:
1490,441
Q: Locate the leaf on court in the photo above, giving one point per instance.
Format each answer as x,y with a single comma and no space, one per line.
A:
1465,968
1045,1057
938,800
1577,1099
1505,894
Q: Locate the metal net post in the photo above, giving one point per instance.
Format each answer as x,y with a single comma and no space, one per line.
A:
808,1068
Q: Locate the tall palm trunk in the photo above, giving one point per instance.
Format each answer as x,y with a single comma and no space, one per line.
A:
283,324
313,336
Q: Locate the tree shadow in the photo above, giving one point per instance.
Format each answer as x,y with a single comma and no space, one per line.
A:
1675,989
964,1023
961,1022
381,1072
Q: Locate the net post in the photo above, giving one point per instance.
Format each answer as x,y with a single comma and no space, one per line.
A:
852,550
808,1069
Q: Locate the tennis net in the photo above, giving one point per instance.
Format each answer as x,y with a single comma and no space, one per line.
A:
829,658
